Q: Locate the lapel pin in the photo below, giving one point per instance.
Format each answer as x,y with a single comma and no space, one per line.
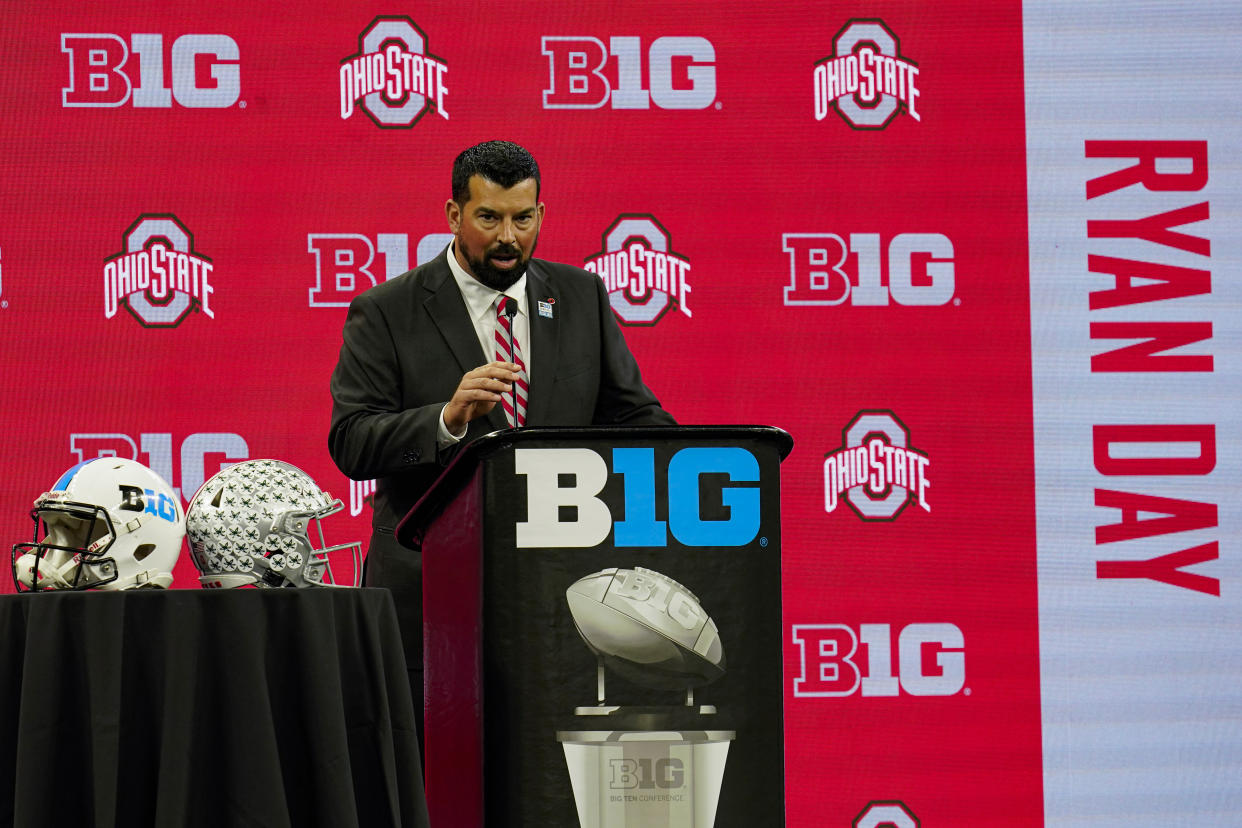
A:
545,308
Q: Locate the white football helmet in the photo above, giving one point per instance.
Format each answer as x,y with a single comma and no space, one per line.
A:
249,524
108,523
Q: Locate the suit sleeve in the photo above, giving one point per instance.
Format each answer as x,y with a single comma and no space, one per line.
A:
623,397
372,433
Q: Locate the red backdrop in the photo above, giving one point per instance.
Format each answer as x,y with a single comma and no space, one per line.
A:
859,262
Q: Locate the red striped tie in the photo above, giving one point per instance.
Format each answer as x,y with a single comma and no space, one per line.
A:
520,388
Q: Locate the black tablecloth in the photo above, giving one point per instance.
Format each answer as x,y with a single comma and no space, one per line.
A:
206,708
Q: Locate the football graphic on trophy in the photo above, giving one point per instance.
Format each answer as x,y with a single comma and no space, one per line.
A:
656,766
647,628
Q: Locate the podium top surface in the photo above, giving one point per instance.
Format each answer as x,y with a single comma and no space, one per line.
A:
461,469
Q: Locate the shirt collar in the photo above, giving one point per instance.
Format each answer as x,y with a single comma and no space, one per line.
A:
480,299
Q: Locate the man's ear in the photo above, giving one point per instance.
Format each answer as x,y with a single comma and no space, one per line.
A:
452,212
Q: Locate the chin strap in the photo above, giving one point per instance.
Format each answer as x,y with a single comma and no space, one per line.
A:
152,580
48,577
38,573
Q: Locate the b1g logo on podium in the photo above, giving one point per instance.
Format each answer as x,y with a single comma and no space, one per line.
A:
345,263
577,79
825,270
877,469
642,274
159,277
195,450
866,80
101,73
563,507
931,660
393,75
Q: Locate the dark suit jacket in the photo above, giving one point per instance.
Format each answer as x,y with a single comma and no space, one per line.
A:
407,343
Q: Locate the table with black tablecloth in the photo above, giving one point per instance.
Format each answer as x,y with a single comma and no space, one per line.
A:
206,708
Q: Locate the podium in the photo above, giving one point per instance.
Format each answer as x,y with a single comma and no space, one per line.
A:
602,628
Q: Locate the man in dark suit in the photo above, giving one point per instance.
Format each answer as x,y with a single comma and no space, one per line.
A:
420,373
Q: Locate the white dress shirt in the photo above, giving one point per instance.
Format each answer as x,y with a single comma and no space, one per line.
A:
481,305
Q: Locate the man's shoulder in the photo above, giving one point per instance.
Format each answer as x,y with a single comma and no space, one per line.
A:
562,270
565,276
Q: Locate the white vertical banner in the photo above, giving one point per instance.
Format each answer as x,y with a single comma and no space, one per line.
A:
1134,142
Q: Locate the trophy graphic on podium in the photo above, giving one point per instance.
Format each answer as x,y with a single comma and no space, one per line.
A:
648,766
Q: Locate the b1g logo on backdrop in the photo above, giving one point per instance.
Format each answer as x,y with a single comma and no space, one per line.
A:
393,75
642,274
102,74
345,263
876,468
915,270
931,660
584,73
155,451
158,277
866,80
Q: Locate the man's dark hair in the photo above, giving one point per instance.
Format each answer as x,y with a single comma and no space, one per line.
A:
501,162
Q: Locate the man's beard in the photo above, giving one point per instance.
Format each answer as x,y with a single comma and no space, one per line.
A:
494,277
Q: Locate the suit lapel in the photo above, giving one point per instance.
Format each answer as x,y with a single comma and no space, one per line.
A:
448,311
544,344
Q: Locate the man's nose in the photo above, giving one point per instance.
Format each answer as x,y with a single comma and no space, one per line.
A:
506,232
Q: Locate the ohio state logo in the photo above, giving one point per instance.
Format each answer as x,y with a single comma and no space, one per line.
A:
866,80
392,75
886,814
876,468
159,277
642,274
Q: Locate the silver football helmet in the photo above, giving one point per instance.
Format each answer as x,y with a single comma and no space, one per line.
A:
108,523
250,523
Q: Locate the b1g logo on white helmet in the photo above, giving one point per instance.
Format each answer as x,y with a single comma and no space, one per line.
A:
642,274
392,75
158,277
877,469
865,79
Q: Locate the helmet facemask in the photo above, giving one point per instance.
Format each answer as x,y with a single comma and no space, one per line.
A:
69,548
